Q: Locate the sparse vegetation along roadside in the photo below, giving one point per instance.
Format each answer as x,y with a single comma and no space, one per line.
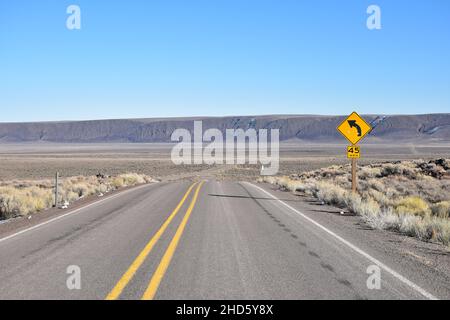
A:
410,197
22,198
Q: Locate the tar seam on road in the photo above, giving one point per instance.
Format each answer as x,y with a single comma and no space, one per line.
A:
165,261
353,247
72,212
136,264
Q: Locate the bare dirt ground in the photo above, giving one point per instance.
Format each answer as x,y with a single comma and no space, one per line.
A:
38,161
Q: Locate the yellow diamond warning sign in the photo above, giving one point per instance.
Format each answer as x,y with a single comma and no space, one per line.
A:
354,128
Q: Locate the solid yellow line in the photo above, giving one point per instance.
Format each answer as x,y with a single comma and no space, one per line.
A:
129,274
165,261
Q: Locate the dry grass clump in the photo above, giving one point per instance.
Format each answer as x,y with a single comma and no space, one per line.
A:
21,198
424,228
411,197
415,206
14,202
130,179
441,209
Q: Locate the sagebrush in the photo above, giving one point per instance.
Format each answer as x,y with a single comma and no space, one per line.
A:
410,197
21,198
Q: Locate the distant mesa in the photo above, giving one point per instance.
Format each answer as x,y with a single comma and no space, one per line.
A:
303,128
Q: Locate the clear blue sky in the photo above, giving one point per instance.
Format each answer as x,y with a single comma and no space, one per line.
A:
221,57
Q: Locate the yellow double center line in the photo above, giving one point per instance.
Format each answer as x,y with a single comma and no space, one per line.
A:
165,261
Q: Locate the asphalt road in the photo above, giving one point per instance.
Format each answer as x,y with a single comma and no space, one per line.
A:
211,240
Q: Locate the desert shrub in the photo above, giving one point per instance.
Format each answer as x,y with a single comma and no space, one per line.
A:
103,188
118,182
408,197
331,193
81,189
382,220
439,230
379,197
432,189
413,206
352,201
412,226
376,184
69,196
26,197
331,172
441,209
343,180
308,187
425,229
390,169
268,179
369,172
399,169
23,201
130,179
295,186
367,207
283,181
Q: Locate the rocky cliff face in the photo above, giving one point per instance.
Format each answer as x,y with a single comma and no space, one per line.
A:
433,127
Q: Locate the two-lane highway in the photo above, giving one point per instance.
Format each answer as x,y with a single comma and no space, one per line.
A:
203,240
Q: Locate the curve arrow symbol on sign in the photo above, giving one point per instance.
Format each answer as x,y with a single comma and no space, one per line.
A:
353,124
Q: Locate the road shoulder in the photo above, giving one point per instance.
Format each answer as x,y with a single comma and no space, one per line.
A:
425,263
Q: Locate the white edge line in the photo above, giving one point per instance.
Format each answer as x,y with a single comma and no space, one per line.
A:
355,248
73,212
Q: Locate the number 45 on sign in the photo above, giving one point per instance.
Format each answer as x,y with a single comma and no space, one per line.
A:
353,152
